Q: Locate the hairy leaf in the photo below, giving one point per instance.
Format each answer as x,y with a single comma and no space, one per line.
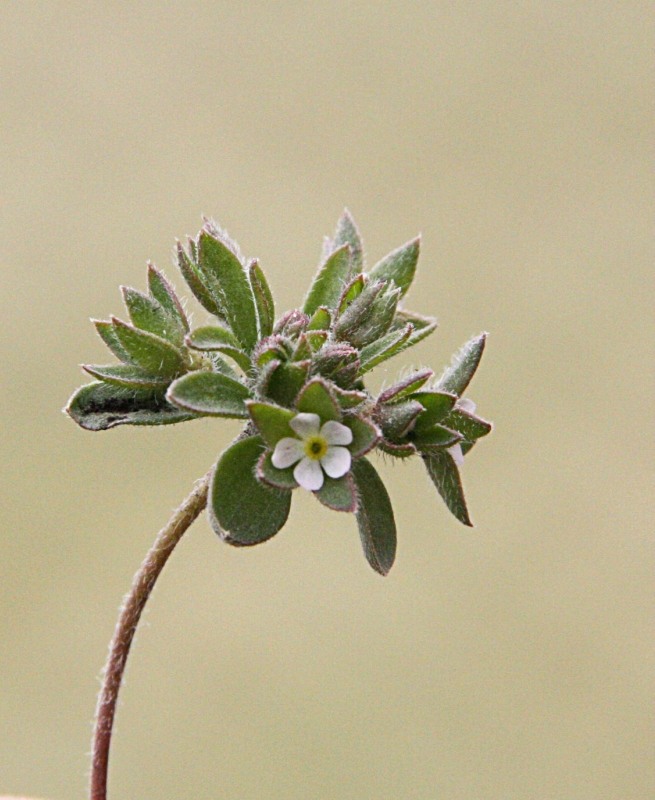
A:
148,351
226,274
242,511
377,527
399,266
209,393
126,375
339,494
445,476
457,376
329,281
222,340
263,299
100,406
271,421
316,397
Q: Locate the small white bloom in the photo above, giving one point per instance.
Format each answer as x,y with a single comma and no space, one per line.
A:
466,405
318,449
456,452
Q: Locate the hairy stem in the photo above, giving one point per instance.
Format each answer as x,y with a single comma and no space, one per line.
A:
142,585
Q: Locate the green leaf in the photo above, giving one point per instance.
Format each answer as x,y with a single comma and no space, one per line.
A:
423,326
285,381
469,425
329,281
107,333
148,315
194,278
351,292
271,421
377,528
274,477
457,376
436,407
263,299
316,397
347,233
162,291
209,393
405,387
126,375
365,434
399,266
436,436
152,353
369,316
100,406
339,494
242,511
321,320
387,346
397,419
349,398
227,276
445,476
214,337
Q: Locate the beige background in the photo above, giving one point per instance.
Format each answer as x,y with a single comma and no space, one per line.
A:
511,662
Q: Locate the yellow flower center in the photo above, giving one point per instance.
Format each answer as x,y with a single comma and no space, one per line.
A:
315,447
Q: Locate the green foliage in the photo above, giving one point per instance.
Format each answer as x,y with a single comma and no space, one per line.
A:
243,511
306,369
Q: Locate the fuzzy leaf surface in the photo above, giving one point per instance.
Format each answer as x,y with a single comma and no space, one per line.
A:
100,406
436,405
317,398
209,393
405,387
365,434
107,332
399,266
126,375
228,277
274,477
469,425
149,315
242,511
148,351
263,299
457,376
377,527
162,291
348,233
271,421
222,340
339,494
195,281
329,281
445,476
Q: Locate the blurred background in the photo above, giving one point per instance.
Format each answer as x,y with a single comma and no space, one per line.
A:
508,662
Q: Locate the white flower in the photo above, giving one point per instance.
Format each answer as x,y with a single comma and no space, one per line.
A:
318,448
455,451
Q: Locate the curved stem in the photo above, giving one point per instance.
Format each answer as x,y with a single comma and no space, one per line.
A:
142,585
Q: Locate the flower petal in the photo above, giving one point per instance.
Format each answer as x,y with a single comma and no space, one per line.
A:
305,424
335,433
466,405
287,452
336,462
456,452
309,474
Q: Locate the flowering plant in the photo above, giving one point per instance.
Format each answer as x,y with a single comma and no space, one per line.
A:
298,383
